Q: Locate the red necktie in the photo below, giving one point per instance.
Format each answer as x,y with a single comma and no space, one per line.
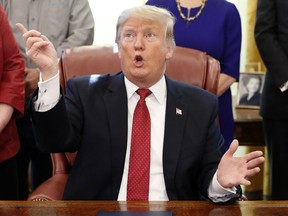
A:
139,165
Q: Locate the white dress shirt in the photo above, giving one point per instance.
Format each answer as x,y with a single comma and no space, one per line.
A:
156,103
49,94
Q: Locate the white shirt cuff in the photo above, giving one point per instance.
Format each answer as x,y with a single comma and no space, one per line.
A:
49,93
217,193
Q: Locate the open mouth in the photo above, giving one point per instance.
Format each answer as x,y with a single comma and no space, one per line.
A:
138,59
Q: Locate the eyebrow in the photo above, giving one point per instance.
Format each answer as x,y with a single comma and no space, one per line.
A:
130,28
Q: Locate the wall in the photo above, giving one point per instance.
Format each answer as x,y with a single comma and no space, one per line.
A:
105,15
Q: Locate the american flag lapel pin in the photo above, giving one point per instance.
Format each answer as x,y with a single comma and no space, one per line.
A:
178,111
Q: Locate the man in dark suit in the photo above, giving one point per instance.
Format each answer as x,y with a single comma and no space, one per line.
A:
271,34
95,118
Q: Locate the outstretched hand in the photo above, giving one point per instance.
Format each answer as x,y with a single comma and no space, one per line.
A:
233,171
41,51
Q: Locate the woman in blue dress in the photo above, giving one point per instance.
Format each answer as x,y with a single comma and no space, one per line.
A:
212,26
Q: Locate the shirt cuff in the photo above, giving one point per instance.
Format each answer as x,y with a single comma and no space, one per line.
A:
284,87
48,94
49,90
217,193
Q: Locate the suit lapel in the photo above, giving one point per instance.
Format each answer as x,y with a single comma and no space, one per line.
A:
176,114
116,106
117,110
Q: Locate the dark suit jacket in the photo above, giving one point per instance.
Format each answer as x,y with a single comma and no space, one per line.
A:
95,125
271,34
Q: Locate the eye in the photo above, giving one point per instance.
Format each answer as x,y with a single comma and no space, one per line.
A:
149,35
129,36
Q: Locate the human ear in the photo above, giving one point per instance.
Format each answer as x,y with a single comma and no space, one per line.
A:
169,53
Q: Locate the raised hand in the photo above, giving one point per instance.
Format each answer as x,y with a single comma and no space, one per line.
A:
41,51
233,171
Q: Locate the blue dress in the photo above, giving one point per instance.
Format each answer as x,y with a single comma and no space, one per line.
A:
217,31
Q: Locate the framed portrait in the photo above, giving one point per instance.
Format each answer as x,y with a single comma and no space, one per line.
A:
250,89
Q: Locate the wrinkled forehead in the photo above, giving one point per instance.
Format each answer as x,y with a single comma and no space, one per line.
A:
141,24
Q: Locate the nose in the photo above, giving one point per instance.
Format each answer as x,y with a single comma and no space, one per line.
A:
139,45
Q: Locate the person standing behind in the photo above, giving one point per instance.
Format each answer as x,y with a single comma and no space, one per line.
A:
271,34
212,26
68,24
11,106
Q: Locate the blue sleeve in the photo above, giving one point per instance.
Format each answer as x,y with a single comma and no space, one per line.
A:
230,63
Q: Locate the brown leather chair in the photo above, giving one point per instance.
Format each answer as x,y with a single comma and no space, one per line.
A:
187,65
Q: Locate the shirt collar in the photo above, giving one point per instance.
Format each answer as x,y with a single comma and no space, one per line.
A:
159,89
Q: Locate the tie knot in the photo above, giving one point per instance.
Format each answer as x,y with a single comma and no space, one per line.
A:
143,93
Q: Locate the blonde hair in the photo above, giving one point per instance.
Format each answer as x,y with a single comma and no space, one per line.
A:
148,12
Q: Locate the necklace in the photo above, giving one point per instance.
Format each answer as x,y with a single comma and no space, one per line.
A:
188,18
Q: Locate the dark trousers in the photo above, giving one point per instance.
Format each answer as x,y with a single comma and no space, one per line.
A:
276,134
8,180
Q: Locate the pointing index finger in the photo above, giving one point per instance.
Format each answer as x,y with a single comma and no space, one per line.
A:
21,28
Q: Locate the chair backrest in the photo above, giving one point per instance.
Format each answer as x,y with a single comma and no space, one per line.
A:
186,65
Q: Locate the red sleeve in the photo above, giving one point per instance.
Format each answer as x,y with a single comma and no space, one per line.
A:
11,68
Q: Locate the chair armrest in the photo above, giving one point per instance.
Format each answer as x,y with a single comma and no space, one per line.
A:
51,189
